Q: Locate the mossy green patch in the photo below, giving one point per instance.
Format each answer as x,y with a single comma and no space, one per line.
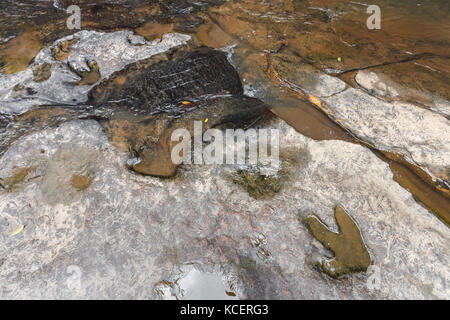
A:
81,182
18,176
88,77
257,185
42,72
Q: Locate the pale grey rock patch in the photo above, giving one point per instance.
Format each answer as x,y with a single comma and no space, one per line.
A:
136,40
229,50
112,51
251,91
442,106
305,78
371,81
327,86
49,227
127,232
421,136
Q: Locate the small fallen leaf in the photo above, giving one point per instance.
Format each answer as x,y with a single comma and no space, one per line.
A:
314,100
206,120
185,102
339,59
18,230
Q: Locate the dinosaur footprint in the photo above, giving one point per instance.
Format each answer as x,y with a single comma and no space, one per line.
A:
350,252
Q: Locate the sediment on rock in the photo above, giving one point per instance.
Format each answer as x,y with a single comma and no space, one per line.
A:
418,135
350,252
212,218
145,102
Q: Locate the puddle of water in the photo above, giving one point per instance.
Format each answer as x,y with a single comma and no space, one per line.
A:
204,286
197,285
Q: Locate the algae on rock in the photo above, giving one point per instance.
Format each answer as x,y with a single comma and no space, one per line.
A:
257,185
42,72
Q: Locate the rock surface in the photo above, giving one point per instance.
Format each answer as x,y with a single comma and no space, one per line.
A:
69,247
143,104
150,138
347,245
110,51
76,223
423,82
153,85
420,135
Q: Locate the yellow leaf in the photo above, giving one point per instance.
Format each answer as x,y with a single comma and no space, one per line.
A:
314,100
206,120
18,230
185,102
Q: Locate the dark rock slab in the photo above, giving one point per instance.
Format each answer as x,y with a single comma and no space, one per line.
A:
146,86
143,104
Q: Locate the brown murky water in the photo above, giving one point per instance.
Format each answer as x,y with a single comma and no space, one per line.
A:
326,34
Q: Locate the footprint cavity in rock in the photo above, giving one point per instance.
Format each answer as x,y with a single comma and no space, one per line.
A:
350,252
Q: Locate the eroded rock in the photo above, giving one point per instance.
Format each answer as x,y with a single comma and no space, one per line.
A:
419,135
212,219
41,73
144,103
150,138
423,82
81,48
154,84
88,77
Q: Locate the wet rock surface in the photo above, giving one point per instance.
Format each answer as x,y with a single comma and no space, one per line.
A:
218,226
173,90
420,135
150,138
78,109
395,83
92,58
150,86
